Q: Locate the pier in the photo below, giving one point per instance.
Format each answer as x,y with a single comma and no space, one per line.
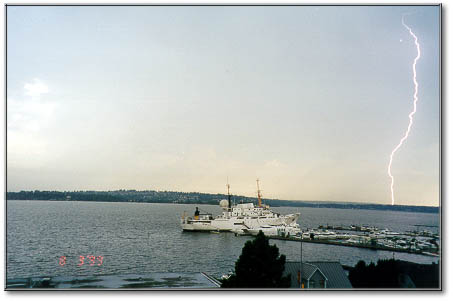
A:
368,237
355,245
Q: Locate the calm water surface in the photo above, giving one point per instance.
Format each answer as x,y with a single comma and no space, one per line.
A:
143,238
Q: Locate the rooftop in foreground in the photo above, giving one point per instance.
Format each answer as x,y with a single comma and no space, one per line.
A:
129,281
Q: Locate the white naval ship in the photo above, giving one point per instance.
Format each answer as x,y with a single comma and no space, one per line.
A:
237,218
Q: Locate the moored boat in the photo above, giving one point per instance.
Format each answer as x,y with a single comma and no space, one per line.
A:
280,230
237,217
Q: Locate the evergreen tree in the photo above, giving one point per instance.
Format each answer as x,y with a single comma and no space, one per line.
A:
259,266
391,273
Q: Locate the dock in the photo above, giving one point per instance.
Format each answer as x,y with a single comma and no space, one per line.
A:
355,245
368,237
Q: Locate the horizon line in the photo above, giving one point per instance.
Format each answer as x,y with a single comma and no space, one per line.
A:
272,199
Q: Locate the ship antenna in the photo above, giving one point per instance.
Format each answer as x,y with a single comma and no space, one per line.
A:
259,192
229,196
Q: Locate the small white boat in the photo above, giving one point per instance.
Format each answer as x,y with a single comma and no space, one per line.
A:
238,231
354,240
326,237
281,230
267,230
377,235
342,236
430,254
388,233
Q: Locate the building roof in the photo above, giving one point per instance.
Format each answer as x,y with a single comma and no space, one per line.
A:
332,271
125,281
293,268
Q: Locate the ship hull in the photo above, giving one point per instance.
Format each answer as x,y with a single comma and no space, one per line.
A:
234,224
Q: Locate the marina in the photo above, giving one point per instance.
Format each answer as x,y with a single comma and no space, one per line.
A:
423,242
358,244
415,242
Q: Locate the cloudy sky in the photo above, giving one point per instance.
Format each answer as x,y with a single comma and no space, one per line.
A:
311,100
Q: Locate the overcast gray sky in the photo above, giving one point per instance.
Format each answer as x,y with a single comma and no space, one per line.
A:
311,100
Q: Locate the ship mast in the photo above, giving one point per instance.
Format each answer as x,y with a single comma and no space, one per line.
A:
259,192
229,196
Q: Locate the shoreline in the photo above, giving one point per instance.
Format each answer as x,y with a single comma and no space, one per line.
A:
271,203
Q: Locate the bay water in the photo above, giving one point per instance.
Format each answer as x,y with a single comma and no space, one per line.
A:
140,238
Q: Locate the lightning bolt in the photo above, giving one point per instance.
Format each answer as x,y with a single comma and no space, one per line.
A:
411,115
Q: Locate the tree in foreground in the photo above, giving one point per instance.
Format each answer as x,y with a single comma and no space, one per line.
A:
259,266
391,273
